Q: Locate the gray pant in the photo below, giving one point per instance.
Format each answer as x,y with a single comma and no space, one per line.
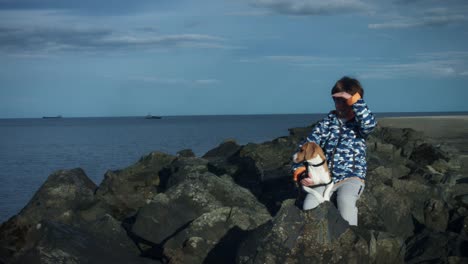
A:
347,194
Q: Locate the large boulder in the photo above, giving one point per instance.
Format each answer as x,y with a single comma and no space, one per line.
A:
264,169
60,243
213,237
405,139
62,195
436,247
187,199
317,236
123,192
219,158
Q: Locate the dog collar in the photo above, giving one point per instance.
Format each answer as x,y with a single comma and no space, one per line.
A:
314,165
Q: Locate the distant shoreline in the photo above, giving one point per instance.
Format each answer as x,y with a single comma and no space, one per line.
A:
452,130
462,117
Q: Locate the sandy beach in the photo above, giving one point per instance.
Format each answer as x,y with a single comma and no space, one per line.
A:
452,130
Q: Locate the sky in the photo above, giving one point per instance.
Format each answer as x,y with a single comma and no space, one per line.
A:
213,57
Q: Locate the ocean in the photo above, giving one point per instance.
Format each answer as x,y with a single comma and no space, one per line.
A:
32,149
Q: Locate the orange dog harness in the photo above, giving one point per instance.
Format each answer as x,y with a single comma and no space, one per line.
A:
298,172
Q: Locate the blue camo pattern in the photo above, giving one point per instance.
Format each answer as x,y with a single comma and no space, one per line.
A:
350,155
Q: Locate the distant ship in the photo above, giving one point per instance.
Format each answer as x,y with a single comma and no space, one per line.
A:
148,116
52,117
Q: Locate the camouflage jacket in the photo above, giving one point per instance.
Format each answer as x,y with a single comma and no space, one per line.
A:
345,141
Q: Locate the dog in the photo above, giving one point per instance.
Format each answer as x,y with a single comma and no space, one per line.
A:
317,170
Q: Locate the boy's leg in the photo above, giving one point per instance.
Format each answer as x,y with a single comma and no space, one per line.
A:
310,202
348,193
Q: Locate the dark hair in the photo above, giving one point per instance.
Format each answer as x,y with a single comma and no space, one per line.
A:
349,85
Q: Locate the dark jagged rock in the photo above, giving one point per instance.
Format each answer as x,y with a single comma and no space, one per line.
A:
60,243
182,169
317,236
123,192
436,215
426,154
224,151
299,133
264,169
435,247
219,158
405,139
217,232
186,153
170,212
261,168
64,193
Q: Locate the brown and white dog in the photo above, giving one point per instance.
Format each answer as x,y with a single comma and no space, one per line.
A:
317,169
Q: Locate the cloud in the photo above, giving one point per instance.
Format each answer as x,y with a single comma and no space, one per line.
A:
82,6
303,61
312,7
432,69
412,14
447,64
249,13
59,39
173,81
207,81
429,21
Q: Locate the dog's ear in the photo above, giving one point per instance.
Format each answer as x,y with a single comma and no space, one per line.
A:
310,151
320,153
300,155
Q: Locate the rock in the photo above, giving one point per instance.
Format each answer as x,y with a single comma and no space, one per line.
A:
464,231
269,160
456,196
219,157
186,153
110,230
224,151
217,232
426,154
182,169
123,192
300,133
316,236
435,247
170,212
393,210
405,139
436,215
264,169
457,260
463,199
60,243
62,195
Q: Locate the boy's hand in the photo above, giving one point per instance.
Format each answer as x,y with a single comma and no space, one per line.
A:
343,95
307,181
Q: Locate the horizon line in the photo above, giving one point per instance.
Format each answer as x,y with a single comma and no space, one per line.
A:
259,114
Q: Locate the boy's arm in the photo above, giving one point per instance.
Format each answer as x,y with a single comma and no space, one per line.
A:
363,115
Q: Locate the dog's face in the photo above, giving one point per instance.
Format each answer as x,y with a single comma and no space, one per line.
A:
308,151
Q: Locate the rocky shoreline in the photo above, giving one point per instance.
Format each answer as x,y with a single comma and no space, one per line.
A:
236,204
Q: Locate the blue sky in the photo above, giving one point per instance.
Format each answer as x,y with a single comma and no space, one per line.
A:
130,58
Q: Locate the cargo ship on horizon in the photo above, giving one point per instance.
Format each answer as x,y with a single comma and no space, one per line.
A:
52,117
